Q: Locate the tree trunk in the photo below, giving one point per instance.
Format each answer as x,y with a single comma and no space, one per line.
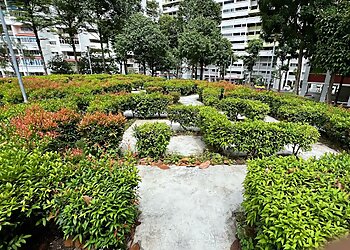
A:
340,87
126,67
121,67
144,68
36,33
177,72
103,52
196,72
71,37
330,88
300,66
202,71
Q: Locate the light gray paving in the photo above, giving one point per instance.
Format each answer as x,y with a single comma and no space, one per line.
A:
183,144
190,100
188,208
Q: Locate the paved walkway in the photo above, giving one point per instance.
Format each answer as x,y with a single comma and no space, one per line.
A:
190,100
184,145
188,208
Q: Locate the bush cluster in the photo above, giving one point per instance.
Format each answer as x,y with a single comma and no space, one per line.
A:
256,138
251,109
92,202
142,105
63,129
152,139
332,121
184,87
295,204
187,116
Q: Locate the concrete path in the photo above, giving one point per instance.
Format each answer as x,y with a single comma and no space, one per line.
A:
183,145
318,150
186,145
188,208
190,100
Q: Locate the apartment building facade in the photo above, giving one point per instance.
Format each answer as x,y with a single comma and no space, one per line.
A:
241,22
27,51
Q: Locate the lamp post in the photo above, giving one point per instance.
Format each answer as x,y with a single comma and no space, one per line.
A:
13,57
89,58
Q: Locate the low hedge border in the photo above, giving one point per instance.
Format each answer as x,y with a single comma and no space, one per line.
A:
152,139
256,138
282,208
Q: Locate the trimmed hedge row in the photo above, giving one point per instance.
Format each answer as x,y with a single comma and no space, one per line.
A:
332,121
254,110
290,203
152,139
65,86
187,116
184,87
255,139
142,105
92,202
63,129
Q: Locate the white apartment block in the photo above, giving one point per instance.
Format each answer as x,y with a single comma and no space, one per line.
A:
240,23
27,51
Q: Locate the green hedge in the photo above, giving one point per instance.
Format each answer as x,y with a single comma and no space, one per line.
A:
102,130
295,204
254,110
98,206
28,183
93,201
187,116
142,105
184,87
211,96
152,139
256,138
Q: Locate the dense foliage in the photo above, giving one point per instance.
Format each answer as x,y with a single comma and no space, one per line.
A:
152,139
295,204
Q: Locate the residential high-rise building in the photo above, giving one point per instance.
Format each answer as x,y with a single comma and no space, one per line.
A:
240,23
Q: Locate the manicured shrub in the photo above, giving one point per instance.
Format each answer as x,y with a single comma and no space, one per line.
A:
176,97
184,87
253,138
211,96
299,136
187,116
290,203
112,103
338,128
251,109
152,139
58,128
314,114
28,184
98,205
102,130
150,90
151,105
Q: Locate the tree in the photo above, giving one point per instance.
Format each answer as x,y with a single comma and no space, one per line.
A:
34,15
224,55
170,27
96,64
295,22
122,47
109,17
253,50
60,66
192,9
149,44
197,43
70,15
152,9
332,51
284,53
